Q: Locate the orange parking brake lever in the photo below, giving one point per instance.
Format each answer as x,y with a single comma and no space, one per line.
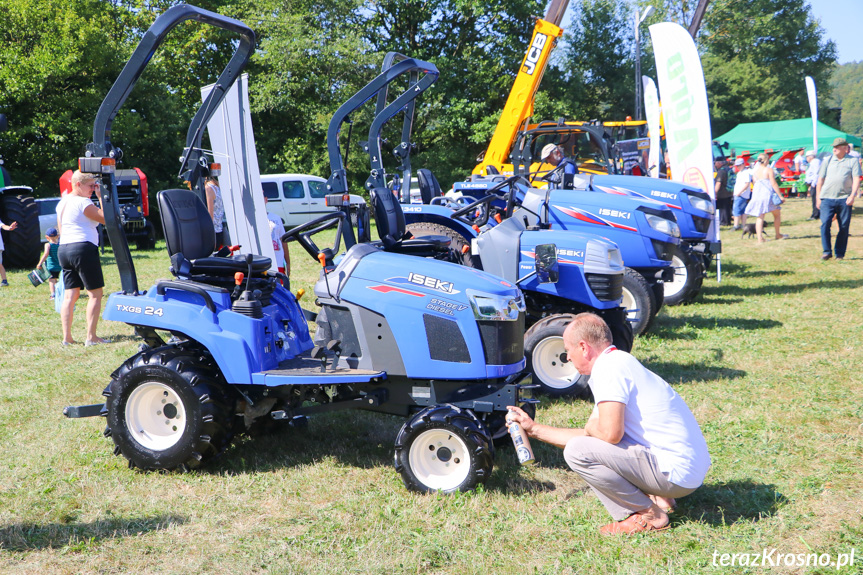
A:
239,277
497,218
465,249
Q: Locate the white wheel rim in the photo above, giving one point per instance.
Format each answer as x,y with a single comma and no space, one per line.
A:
155,416
676,285
439,459
549,365
633,312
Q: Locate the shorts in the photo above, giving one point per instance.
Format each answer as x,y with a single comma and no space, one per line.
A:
54,275
739,206
81,266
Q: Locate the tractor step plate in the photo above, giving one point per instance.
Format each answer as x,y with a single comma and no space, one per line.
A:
305,370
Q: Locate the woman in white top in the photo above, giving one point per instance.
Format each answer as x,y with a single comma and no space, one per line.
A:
763,198
77,219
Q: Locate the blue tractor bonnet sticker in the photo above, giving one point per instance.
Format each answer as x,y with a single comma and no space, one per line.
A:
426,281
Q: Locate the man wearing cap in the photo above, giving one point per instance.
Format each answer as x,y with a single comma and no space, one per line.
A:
838,185
742,192
552,154
812,180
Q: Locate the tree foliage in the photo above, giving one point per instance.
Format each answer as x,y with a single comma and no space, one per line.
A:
58,60
847,84
594,77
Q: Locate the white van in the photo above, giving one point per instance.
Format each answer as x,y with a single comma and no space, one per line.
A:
297,198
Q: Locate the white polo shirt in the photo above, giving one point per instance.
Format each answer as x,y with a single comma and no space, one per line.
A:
655,416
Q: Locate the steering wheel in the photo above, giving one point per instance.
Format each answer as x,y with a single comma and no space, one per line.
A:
304,232
552,176
492,194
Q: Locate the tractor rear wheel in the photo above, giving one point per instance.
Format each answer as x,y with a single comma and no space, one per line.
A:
444,448
23,246
688,277
459,246
638,301
167,410
547,360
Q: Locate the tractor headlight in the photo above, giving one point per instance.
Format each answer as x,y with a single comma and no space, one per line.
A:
701,204
663,225
490,307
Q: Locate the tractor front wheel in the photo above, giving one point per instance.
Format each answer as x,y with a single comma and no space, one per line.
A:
688,277
444,448
167,411
547,359
638,301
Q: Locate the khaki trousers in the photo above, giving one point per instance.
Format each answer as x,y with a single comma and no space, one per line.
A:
621,475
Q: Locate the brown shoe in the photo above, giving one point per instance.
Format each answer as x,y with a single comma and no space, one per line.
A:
633,524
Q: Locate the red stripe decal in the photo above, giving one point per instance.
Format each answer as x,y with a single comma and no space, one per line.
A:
387,289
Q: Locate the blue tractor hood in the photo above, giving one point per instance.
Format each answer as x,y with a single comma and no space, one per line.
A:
694,209
425,303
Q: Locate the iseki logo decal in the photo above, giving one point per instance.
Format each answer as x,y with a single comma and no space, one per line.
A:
665,195
426,281
615,214
533,54
585,216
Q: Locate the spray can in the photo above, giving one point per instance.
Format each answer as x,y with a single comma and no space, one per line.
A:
520,441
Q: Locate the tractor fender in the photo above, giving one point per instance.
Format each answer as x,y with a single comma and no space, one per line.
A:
240,345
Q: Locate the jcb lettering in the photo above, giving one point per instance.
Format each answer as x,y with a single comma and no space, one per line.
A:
533,53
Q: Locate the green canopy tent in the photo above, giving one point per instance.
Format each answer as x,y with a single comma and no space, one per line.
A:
782,135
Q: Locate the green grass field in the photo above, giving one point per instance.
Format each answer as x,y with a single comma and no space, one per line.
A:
769,361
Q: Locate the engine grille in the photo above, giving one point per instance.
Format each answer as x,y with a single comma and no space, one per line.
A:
503,341
445,340
701,224
606,287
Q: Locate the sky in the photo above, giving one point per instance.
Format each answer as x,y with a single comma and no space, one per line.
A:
842,20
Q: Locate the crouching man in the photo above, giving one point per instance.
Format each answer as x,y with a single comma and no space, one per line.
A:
641,447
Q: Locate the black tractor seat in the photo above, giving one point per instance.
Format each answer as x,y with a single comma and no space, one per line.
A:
191,239
390,220
419,246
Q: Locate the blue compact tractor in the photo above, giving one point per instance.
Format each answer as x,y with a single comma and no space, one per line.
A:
593,151
590,272
434,342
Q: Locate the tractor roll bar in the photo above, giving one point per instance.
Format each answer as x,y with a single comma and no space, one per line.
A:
404,102
101,146
338,180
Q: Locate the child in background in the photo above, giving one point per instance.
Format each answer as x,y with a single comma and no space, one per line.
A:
9,228
49,258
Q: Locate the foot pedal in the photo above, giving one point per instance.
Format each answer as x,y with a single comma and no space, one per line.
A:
320,353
